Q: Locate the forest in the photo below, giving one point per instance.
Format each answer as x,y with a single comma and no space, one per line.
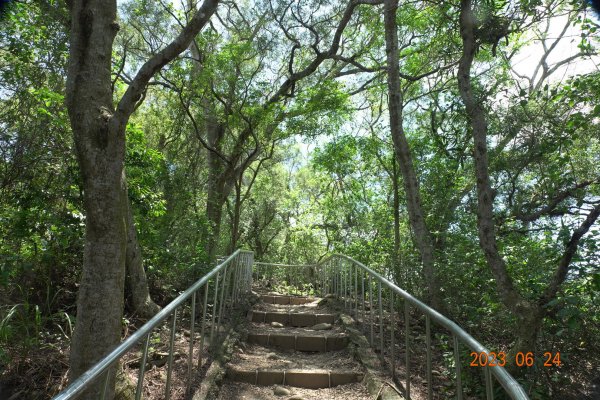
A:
451,146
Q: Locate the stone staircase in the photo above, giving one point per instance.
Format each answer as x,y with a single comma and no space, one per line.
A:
294,349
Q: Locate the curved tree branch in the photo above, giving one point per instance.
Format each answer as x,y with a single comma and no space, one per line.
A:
135,90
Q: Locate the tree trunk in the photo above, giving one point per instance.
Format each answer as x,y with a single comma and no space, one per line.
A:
136,282
214,206
397,258
100,147
529,315
529,323
422,236
100,295
99,136
214,136
214,213
485,200
236,215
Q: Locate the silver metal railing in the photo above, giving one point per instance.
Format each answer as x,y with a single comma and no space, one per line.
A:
231,279
354,285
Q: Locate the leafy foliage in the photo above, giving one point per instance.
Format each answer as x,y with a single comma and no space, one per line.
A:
314,170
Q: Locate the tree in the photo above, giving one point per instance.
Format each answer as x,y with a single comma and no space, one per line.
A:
99,132
487,181
236,113
421,233
530,313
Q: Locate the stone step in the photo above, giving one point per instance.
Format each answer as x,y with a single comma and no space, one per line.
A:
287,308
304,378
282,299
246,391
252,356
278,328
314,343
291,318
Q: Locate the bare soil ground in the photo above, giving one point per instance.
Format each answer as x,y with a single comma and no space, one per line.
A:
155,376
35,374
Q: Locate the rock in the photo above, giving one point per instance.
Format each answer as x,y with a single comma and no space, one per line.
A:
281,391
276,324
296,397
322,326
272,356
124,386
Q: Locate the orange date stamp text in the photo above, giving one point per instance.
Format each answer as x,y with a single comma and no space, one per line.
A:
521,359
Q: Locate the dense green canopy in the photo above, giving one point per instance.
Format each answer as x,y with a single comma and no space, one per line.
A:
271,131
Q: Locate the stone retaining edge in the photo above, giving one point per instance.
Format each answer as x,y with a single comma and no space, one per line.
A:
373,379
210,385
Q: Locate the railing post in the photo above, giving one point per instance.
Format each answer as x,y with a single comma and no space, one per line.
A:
248,266
221,302
459,393
247,274
235,279
170,362
332,276
362,279
428,344
242,275
332,272
202,328
140,382
339,278
489,387
191,348
392,338
407,345
214,309
355,291
380,304
228,302
105,385
323,271
345,284
371,310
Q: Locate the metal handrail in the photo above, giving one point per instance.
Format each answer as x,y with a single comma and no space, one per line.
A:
339,275
235,281
340,281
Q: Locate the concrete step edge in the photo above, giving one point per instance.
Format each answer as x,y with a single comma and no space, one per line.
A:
313,343
304,378
283,299
300,319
